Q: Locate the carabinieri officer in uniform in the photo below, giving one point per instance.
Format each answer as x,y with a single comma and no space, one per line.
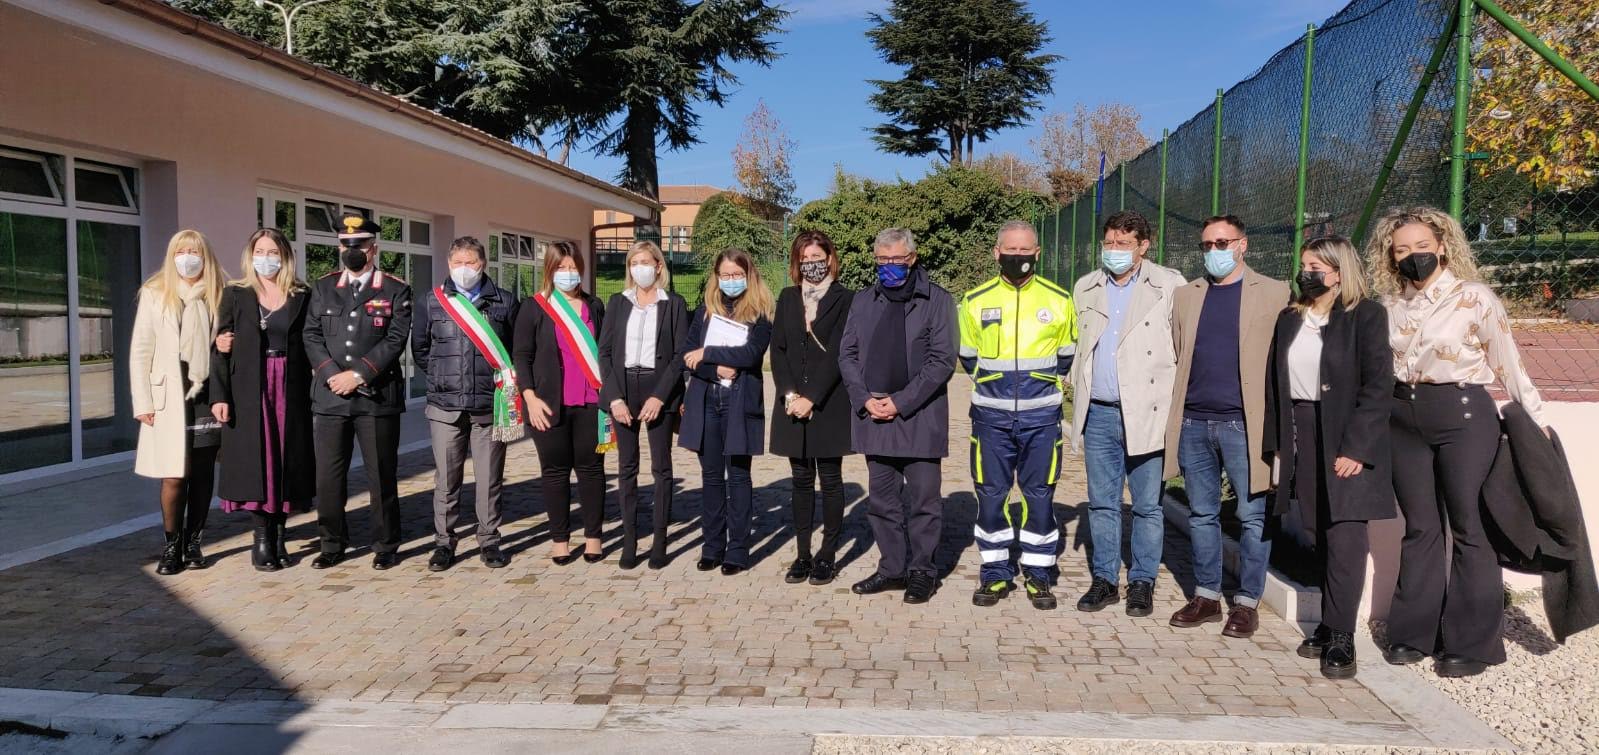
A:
355,332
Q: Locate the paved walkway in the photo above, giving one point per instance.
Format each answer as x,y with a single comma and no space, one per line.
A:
98,620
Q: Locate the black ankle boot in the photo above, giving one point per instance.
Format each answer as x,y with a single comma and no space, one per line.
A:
280,537
192,557
171,555
264,554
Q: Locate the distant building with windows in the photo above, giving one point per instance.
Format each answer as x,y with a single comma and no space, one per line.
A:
614,231
122,122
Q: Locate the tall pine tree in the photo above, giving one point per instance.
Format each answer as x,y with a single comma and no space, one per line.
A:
972,68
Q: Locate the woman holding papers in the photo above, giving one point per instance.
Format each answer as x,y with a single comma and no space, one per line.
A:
724,418
558,369
810,421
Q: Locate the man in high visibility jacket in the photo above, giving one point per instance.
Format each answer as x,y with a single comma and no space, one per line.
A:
1018,334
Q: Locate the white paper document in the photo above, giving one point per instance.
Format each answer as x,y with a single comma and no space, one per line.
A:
724,332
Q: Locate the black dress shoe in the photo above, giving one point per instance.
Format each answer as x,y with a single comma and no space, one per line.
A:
1399,654
326,560
1315,643
494,558
993,592
1140,598
1039,593
657,561
823,572
593,558
628,560
799,572
1456,666
385,560
919,588
1338,656
877,583
1101,593
707,564
729,570
568,558
171,561
441,559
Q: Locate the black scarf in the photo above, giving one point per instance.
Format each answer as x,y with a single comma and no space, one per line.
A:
887,371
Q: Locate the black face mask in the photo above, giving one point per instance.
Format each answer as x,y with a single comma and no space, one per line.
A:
814,271
1312,284
1015,267
354,258
1419,266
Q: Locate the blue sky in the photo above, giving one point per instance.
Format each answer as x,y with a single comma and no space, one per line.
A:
1166,58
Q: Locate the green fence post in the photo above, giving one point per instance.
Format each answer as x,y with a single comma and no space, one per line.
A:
1434,65
1457,149
1215,164
1074,240
1058,246
1528,38
1122,171
1160,235
1304,154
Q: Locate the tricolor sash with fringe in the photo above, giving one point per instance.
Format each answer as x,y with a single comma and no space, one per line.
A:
507,399
570,324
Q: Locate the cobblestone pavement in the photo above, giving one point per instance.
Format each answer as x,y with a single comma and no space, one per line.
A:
98,619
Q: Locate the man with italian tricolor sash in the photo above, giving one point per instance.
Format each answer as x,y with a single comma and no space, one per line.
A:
461,344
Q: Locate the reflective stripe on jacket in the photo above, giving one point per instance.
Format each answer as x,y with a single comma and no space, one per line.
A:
1017,343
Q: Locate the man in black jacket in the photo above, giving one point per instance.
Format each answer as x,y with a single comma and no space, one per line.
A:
462,395
355,332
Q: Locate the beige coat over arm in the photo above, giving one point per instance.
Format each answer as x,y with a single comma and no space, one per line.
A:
156,380
1146,360
1259,303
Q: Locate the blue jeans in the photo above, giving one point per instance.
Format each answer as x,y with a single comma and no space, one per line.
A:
1203,450
727,494
1109,466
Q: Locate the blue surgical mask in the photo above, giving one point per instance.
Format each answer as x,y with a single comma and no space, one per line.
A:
1220,263
893,276
568,280
734,287
1116,261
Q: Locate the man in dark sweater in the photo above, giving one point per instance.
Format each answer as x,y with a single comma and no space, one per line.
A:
1222,324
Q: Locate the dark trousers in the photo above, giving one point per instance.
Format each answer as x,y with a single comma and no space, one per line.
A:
728,495
1444,439
1342,545
805,473
569,445
906,509
379,437
639,383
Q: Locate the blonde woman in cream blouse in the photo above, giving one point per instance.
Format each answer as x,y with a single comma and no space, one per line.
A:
1450,339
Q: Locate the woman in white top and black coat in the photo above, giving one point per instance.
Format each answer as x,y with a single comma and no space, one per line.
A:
641,364
1450,339
1329,394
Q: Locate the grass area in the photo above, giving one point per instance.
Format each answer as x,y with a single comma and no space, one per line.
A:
687,283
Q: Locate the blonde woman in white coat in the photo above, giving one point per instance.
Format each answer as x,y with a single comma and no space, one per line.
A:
169,361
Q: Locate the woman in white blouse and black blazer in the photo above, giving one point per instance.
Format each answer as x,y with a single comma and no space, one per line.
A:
1450,339
641,364
1329,396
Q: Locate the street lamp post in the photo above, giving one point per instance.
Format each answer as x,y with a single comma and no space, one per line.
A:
288,15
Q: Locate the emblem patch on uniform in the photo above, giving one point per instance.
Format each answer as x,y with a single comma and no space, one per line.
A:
992,314
1045,316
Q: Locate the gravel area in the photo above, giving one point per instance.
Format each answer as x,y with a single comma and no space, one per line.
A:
1545,697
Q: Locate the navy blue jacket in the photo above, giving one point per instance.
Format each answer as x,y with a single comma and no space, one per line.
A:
745,438
459,378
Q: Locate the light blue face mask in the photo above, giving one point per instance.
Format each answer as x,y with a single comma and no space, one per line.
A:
1220,263
567,280
1116,261
733,287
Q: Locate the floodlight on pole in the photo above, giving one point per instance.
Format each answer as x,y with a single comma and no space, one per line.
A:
288,14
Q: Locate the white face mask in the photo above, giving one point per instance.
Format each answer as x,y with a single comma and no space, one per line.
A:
465,277
189,265
266,265
644,275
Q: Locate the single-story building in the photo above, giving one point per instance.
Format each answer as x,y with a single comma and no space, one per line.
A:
122,121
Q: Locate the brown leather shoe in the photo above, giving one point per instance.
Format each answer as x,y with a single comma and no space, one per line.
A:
1198,611
1242,622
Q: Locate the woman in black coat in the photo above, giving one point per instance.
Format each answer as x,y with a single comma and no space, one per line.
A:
641,362
1328,391
810,419
260,390
563,404
724,410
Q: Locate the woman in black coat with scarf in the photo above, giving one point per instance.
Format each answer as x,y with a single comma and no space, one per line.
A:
724,410
1328,392
810,418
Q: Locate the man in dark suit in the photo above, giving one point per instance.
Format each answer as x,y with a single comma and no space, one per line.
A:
355,332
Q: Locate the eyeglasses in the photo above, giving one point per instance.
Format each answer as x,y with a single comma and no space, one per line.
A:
731,276
1218,244
904,260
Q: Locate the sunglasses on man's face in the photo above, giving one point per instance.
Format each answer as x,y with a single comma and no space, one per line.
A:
1218,244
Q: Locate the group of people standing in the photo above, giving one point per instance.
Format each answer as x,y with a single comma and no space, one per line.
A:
1315,397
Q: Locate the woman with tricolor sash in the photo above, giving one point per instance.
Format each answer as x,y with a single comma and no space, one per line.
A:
724,411
558,369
